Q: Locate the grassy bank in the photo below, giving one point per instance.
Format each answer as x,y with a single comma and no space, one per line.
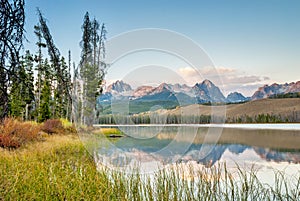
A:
56,169
60,168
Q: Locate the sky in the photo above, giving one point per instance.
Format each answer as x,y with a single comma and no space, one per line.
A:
249,43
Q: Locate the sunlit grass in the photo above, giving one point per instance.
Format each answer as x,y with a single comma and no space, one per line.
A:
60,168
108,131
66,123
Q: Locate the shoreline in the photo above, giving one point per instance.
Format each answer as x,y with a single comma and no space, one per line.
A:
250,126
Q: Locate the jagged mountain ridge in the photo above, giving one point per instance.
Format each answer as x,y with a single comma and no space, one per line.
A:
118,87
208,92
235,97
275,89
203,92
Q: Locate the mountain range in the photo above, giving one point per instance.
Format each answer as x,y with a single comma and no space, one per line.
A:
172,95
276,89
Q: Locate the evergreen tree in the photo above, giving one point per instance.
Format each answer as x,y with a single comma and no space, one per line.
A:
86,45
22,90
29,86
60,95
17,103
44,110
57,74
69,83
39,59
95,39
85,66
91,64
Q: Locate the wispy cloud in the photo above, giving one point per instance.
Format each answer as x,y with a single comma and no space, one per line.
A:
188,72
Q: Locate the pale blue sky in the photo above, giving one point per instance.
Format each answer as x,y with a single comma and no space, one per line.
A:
256,41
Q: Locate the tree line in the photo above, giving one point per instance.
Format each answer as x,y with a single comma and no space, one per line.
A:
287,95
156,119
294,117
38,86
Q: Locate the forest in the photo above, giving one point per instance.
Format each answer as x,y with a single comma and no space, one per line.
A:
38,86
155,118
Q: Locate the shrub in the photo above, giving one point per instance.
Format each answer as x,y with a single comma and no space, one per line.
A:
9,142
53,126
14,133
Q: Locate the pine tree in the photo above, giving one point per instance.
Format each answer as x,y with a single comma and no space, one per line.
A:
39,68
85,65
91,68
69,83
86,53
29,84
62,80
44,110
16,100
61,97
22,90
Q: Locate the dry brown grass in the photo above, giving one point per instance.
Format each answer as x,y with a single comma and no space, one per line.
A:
48,145
284,107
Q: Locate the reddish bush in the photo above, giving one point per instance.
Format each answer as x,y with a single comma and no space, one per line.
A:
27,131
9,142
52,126
14,133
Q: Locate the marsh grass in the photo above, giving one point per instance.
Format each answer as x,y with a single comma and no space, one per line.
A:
60,168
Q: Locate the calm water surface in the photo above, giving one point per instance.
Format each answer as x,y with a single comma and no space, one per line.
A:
267,148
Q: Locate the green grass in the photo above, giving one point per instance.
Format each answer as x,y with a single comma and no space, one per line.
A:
60,168
57,169
108,132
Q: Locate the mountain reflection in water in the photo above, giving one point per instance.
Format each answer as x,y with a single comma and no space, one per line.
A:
168,145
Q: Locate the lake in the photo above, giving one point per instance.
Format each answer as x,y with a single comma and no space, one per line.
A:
265,147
